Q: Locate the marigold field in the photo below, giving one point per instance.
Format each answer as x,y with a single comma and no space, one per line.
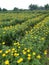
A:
24,38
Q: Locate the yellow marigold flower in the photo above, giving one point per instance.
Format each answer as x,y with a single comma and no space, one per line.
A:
31,30
18,43
45,52
0,51
15,43
9,50
29,58
3,43
20,60
6,51
18,46
34,53
13,49
38,56
24,52
16,54
7,62
42,38
26,32
29,55
4,32
4,55
10,26
5,28
25,48
28,50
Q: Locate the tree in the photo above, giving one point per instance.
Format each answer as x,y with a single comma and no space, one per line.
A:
46,7
0,9
33,7
15,9
41,8
4,9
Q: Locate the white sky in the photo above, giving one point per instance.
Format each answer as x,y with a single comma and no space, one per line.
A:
10,4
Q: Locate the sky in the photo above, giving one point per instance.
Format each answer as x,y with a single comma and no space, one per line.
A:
22,4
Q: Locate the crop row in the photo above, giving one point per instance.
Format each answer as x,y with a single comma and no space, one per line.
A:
38,36
16,32
20,54
17,20
26,43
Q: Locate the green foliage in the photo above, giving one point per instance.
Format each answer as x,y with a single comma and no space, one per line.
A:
24,38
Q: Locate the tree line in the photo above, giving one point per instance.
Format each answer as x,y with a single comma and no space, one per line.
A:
31,7
36,7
